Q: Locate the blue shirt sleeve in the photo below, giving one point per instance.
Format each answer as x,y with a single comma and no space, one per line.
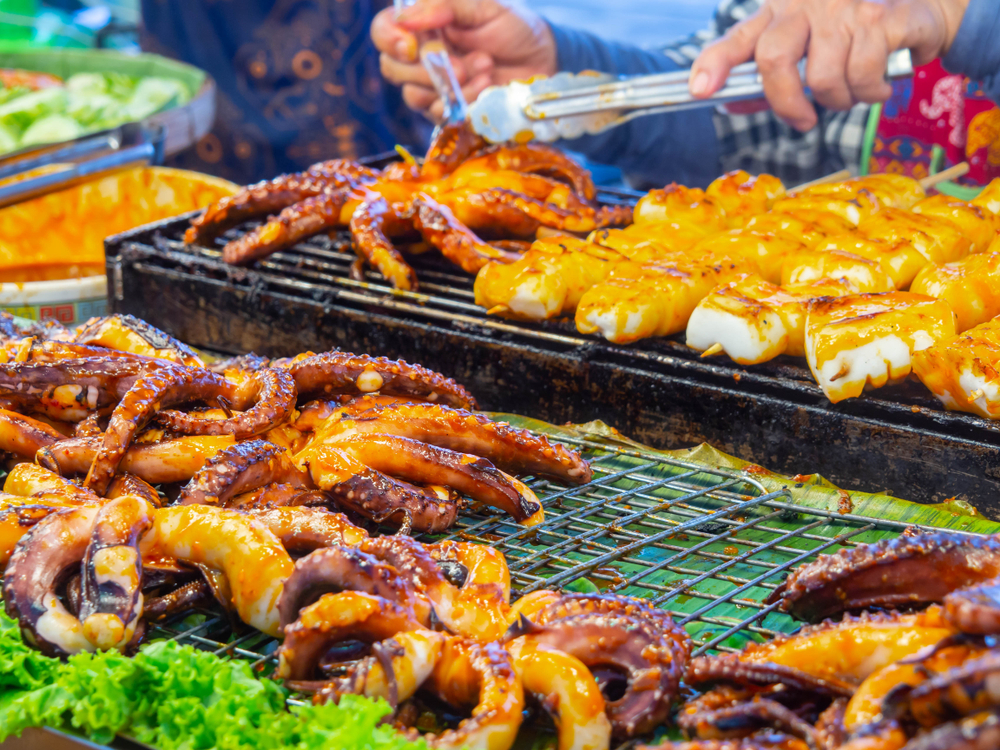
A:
680,147
975,52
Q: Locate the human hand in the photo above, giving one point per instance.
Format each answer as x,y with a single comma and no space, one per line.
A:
847,43
491,43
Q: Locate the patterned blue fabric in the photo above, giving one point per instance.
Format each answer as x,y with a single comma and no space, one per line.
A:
298,82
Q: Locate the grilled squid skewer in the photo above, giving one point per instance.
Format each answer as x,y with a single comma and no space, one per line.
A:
868,339
970,286
964,372
642,300
755,321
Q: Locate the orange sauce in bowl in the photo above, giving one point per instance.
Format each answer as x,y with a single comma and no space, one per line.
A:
49,272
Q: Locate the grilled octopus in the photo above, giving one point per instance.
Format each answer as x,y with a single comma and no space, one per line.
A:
912,570
462,187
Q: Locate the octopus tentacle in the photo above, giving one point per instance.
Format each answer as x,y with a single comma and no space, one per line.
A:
242,467
511,449
266,403
250,558
373,495
48,352
18,515
41,562
127,334
651,663
271,196
111,601
412,656
471,475
729,668
953,694
771,741
565,688
457,242
337,617
372,223
581,219
910,570
294,224
279,495
181,599
538,157
92,426
468,671
853,648
979,732
474,609
743,719
830,731
344,373
130,484
175,460
975,609
70,389
484,566
243,362
24,436
303,530
453,143
336,569
161,387
31,480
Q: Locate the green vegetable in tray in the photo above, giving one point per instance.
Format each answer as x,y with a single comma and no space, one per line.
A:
86,102
19,113
175,697
51,129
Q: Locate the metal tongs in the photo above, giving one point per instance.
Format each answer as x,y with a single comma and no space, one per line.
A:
434,55
569,105
44,169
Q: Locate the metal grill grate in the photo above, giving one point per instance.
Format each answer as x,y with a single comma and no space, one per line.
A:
704,544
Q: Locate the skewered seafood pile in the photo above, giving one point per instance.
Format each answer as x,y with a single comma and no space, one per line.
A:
904,676
748,270
463,187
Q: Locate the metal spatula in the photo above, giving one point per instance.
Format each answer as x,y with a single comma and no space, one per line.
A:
570,105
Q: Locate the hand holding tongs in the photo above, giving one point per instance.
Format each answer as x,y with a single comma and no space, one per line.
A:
434,55
570,105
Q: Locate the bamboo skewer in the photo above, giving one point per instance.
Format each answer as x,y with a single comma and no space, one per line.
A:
956,171
843,174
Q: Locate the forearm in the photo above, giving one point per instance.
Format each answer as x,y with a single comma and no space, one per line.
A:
679,147
975,51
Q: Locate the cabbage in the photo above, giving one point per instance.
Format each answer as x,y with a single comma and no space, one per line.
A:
152,95
87,83
8,140
19,113
51,129
92,109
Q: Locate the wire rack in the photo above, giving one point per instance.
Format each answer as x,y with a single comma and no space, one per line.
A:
704,544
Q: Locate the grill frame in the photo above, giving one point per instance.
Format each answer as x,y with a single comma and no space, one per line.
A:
896,440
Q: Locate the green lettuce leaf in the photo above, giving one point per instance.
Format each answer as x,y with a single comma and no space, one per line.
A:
175,697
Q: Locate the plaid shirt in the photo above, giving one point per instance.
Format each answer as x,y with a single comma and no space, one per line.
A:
761,142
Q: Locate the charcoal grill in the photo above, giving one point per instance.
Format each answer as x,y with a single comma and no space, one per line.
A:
896,440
